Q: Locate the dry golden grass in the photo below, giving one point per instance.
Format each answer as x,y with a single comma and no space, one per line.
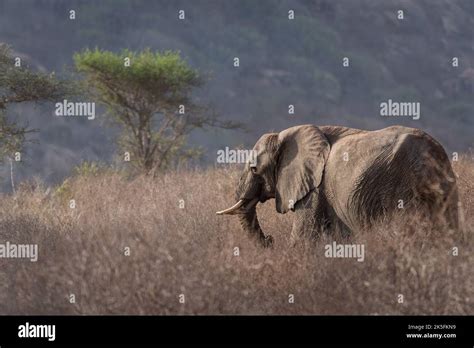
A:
190,251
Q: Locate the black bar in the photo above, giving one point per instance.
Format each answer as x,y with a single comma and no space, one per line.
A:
290,330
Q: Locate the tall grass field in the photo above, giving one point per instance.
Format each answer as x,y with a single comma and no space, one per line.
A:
108,244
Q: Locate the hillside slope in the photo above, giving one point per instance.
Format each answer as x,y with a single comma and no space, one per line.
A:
282,62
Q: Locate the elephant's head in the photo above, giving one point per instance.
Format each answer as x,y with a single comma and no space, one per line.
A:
287,167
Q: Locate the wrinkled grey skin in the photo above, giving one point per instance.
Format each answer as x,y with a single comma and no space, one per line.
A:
343,179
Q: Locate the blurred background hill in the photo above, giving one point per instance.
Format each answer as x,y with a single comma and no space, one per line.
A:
282,62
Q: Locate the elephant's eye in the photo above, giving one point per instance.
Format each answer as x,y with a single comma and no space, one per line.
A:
253,169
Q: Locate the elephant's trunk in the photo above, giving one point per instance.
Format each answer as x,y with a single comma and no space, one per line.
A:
247,214
247,195
250,224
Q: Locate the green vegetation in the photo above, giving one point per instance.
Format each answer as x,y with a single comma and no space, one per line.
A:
18,84
148,94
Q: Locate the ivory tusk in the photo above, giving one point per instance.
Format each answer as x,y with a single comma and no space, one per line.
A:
231,209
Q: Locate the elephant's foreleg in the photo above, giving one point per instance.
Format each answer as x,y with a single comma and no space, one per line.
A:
310,217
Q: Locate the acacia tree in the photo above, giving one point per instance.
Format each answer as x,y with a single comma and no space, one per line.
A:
149,95
18,84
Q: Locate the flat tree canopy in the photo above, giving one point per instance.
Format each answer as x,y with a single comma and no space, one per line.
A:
149,94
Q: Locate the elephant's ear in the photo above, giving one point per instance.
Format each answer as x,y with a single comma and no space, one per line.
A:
302,155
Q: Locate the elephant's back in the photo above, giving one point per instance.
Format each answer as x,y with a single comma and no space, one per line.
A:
370,173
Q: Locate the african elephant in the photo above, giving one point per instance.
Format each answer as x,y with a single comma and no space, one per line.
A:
342,178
